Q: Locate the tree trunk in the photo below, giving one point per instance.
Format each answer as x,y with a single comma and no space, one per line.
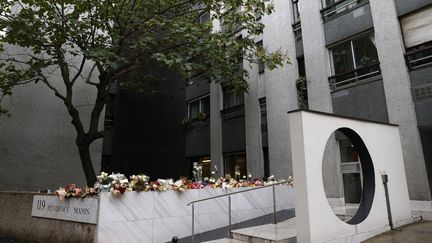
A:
86,163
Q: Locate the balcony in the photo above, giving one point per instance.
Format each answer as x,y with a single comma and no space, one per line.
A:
419,58
297,31
354,77
335,8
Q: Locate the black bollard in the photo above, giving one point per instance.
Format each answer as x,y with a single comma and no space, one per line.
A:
174,239
390,218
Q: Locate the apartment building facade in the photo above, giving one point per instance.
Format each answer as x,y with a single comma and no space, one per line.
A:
366,59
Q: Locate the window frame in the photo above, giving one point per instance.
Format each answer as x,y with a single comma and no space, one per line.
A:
356,68
200,106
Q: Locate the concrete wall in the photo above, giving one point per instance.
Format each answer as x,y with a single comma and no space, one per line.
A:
349,24
281,94
316,221
16,222
398,96
37,144
254,152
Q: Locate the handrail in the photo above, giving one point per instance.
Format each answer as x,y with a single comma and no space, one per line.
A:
354,71
231,193
229,205
334,5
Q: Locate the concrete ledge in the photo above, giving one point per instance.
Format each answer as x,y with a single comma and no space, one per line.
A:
422,208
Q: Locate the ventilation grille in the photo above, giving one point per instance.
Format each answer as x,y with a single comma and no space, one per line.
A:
422,92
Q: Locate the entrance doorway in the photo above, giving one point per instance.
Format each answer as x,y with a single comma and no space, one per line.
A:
351,171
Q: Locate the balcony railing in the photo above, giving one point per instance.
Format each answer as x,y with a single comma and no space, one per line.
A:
196,79
297,31
353,77
336,8
419,58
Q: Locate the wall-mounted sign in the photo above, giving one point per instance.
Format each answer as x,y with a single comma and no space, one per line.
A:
73,209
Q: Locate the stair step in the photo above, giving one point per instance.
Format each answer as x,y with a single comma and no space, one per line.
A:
225,241
283,232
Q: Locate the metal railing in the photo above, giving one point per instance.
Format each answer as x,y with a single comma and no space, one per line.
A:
297,31
419,58
340,7
229,205
354,76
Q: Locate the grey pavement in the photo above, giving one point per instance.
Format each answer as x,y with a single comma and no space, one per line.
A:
420,232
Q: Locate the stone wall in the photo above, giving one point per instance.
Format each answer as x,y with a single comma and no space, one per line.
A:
16,222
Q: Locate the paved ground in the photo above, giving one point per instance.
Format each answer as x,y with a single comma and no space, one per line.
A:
420,232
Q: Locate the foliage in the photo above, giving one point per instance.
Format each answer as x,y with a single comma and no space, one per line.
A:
128,42
302,95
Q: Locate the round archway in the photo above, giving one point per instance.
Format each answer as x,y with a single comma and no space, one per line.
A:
354,143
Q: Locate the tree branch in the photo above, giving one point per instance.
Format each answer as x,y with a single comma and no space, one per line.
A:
79,70
56,92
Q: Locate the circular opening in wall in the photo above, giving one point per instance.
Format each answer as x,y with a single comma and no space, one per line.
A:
348,176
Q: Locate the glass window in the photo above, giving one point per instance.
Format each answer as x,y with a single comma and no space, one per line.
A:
296,12
205,105
194,109
348,152
354,60
342,58
199,107
231,99
235,164
204,18
261,67
365,51
204,162
354,54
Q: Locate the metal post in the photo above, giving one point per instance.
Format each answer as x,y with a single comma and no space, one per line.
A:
390,219
229,216
274,205
193,223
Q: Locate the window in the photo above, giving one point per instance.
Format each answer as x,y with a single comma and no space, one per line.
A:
354,60
232,98
204,162
296,12
204,18
228,24
333,8
199,108
261,67
235,164
296,18
417,32
263,110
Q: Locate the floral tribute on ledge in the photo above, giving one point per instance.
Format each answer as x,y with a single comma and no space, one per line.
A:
118,183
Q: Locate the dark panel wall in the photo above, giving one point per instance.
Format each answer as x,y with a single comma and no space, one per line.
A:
424,112
200,87
419,78
148,135
426,139
299,48
365,101
198,139
406,6
349,24
233,134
